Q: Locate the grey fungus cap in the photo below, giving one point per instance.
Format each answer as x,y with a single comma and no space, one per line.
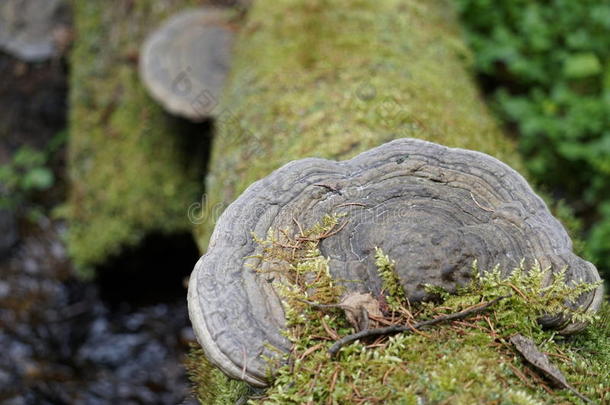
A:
184,63
34,30
432,209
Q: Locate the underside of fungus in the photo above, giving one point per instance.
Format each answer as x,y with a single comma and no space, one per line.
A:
432,209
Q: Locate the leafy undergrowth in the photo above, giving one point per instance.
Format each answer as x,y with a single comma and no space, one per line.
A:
465,361
548,76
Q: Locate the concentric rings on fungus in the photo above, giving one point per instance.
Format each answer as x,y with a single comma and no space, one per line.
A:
432,209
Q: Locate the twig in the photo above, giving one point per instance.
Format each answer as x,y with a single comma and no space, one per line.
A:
331,332
298,226
333,380
539,381
390,330
493,331
310,351
385,376
315,377
323,306
521,376
518,291
381,320
416,330
335,232
324,235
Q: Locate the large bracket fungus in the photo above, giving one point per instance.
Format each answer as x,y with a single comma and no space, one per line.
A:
432,209
184,62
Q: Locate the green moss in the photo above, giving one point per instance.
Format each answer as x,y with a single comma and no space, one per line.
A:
131,169
334,78
391,283
463,362
210,385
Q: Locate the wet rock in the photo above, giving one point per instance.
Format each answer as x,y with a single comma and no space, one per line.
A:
61,343
8,231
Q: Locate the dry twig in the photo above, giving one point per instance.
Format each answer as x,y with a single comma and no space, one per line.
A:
391,330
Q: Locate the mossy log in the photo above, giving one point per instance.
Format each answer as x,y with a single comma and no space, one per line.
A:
436,209
331,79
133,170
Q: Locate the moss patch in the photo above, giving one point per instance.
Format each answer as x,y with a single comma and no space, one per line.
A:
210,385
131,168
463,362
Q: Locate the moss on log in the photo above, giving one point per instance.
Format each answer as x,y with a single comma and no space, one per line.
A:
132,170
333,78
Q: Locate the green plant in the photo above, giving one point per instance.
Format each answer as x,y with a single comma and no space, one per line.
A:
391,283
546,66
27,173
210,385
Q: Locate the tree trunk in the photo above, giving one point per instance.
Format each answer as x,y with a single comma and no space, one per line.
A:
334,78
133,168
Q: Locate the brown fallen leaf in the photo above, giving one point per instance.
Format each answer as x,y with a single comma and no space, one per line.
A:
358,307
541,363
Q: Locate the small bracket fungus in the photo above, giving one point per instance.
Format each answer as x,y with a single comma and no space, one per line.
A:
432,209
34,30
184,63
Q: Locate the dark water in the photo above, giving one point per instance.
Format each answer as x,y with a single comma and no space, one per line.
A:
65,341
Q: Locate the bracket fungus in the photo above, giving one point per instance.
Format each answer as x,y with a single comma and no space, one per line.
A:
432,209
34,30
184,63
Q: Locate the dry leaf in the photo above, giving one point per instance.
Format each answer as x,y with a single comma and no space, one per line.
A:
358,307
541,362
